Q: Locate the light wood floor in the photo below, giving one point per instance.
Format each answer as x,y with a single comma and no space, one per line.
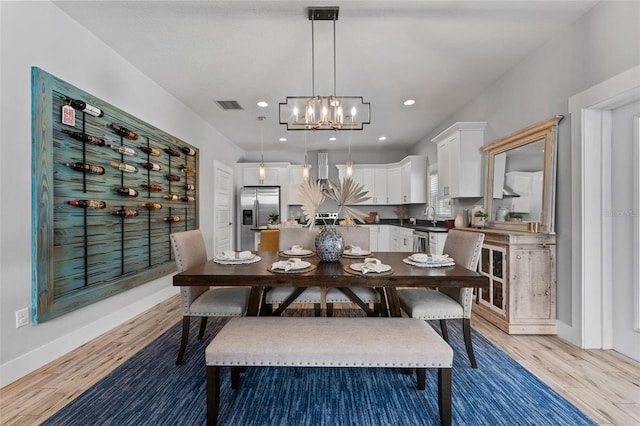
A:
603,384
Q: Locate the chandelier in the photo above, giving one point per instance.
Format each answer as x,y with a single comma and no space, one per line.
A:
324,112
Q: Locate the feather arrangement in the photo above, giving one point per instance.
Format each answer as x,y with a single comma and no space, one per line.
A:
345,193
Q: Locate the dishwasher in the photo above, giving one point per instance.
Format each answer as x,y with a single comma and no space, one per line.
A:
420,242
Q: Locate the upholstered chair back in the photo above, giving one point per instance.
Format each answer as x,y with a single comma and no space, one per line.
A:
355,236
297,236
189,250
464,247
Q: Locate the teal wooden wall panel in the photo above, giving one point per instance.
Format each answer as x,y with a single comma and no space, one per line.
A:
82,255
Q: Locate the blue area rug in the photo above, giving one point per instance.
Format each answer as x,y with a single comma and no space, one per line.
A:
149,389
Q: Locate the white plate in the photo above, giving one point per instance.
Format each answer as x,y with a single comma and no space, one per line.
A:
298,265
358,267
360,253
430,260
450,262
226,259
302,252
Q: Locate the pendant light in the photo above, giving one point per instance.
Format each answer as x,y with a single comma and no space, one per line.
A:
305,166
349,165
262,169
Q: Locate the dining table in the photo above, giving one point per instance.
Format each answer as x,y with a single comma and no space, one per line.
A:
260,276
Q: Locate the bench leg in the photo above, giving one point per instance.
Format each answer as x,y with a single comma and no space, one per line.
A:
421,375
235,377
213,394
444,395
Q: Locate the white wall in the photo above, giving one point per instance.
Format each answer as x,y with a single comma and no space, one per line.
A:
602,43
31,34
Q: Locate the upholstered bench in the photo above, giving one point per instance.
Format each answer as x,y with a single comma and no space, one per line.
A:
402,343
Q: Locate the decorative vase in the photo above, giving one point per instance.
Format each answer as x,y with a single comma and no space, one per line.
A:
329,244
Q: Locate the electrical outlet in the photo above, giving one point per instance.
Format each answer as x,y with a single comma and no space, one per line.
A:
22,317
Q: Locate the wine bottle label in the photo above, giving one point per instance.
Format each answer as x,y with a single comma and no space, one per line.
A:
124,167
150,151
171,219
125,212
187,169
171,197
123,131
187,199
88,204
187,150
87,168
153,187
151,166
172,152
173,178
189,187
85,138
84,107
128,191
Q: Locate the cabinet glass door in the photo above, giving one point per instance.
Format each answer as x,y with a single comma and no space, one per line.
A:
492,265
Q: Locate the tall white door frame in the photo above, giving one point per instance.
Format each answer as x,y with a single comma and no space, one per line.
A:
223,207
591,288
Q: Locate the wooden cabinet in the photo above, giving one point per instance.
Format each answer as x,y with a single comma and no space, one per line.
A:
460,160
413,180
521,268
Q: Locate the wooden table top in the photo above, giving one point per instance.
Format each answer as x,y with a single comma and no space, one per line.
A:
329,274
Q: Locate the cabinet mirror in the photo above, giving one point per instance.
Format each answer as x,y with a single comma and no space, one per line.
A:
521,178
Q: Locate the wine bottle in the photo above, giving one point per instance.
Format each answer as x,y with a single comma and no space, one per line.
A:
84,107
122,149
187,150
125,212
84,137
124,167
187,199
86,168
187,169
173,178
189,187
127,191
123,131
172,152
152,187
88,204
171,219
151,166
150,151
152,206
171,197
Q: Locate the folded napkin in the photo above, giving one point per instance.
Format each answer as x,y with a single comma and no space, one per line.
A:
287,265
232,255
420,257
357,250
439,257
296,249
371,264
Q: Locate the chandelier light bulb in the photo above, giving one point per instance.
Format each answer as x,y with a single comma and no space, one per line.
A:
305,171
349,168
262,172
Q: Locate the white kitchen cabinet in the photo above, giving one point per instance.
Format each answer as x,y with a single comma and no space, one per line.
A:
375,181
277,174
383,238
395,187
460,160
356,176
374,233
296,179
413,183
436,242
401,239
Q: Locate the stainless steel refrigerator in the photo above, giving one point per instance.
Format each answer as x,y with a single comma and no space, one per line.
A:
257,204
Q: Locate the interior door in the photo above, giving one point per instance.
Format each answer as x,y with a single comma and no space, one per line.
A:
222,207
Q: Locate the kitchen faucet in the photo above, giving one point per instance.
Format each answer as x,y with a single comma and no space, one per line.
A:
432,209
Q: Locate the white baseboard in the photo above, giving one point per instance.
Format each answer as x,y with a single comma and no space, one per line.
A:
31,361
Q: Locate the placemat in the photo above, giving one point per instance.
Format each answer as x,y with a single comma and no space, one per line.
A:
292,271
348,270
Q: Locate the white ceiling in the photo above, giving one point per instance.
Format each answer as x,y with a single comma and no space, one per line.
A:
440,53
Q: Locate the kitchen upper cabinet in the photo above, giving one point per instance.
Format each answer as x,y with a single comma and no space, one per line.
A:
277,174
296,180
460,160
413,182
395,185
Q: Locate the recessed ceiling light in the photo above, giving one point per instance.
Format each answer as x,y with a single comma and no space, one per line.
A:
283,139
262,104
332,138
409,102
382,138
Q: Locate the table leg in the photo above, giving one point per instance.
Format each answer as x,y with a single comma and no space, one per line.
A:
255,297
394,302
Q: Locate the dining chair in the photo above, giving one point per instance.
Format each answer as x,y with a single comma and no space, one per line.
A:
288,237
448,303
189,250
355,236
269,239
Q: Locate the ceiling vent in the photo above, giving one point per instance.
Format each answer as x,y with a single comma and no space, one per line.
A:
229,105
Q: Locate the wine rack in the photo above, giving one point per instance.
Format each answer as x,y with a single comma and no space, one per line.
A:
84,250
